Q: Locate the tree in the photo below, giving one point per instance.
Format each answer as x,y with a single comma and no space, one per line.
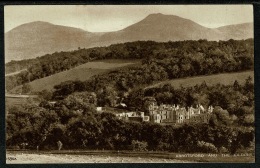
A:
220,117
82,97
107,96
135,98
30,124
84,131
236,85
139,145
249,85
240,138
249,119
26,88
45,95
147,102
220,136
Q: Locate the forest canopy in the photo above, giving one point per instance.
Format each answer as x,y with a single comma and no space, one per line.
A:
161,60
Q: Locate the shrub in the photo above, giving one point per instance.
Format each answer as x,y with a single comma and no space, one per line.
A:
139,145
206,147
223,150
162,146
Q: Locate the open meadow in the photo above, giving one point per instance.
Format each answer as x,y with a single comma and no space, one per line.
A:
223,78
82,73
14,100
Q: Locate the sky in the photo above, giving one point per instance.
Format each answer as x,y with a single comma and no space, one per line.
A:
105,18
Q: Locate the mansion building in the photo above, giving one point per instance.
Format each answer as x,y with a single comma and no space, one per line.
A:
174,114
169,114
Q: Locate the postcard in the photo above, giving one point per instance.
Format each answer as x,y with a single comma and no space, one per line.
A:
129,84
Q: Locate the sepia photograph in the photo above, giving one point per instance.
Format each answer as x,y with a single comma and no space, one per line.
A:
129,84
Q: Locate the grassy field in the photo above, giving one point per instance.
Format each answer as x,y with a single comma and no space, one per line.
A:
14,100
11,101
224,78
72,156
82,72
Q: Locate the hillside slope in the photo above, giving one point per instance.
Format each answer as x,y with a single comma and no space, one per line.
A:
238,31
223,78
38,38
159,27
162,28
82,73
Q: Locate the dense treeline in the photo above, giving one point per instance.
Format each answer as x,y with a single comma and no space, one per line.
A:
89,130
158,68
75,122
236,99
15,66
160,61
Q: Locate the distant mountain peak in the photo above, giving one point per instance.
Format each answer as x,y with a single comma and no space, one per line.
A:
31,25
39,37
239,24
40,23
158,15
159,18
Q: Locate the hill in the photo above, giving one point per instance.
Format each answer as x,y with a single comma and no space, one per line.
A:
38,38
171,60
82,73
238,31
159,27
223,78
